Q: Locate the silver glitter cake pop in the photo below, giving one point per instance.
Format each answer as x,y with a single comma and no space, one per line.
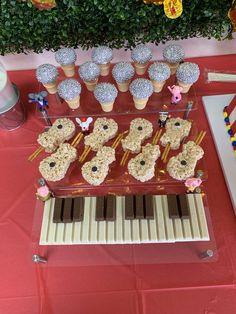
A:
46,73
69,89
173,54
89,71
159,71
188,72
123,71
141,54
102,55
105,92
65,56
141,88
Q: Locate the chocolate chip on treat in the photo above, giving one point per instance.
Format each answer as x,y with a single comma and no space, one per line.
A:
60,126
183,162
142,162
177,124
105,127
94,169
140,128
52,164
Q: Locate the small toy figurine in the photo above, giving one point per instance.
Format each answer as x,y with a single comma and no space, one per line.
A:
176,93
163,117
84,124
43,193
192,184
41,101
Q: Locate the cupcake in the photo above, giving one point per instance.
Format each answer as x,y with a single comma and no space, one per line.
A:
89,72
141,55
102,56
141,90
66,57
187,74
173,55
106,93
158,73
47,74
70,90
122,73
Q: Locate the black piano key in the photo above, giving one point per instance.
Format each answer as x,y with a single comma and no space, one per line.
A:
58,208
183,206
100,208
148,204
78,209
110,212
67,210
139,207
173,206
129,207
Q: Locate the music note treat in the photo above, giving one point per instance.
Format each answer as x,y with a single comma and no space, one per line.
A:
140,129
102,56
89,72
66,57
141,55
62,130
187,74
173,55
176,130
47,74
142,167
104,129
182,166
70,90
96,170
54,167
123,73
158,72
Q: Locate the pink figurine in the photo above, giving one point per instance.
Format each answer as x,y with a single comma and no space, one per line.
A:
176,93
192,184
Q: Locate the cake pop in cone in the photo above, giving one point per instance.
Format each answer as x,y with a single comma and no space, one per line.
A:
122,73
141,55
102,56
141,90
47,74
187,74
89,72
173,55
70,90
66,57
158,73
106,93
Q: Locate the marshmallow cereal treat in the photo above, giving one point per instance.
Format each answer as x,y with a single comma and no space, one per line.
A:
89,72
140,129
175,131
54,167
106,93
70,90
66,57
141,90
182,166
173,55
47,74
142,167
96,170
123,73
62,130
158,72
104,129
187,74
141,55
102,56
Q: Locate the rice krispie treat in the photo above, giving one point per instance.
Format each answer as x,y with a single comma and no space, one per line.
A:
104,129
142,167
176,130
62,130
140,129
54,167
182,166
96,170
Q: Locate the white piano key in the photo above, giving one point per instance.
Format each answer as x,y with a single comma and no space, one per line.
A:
187,229
168,221
152,231
201,216
101,231
68,233
143,225
160,223
193,218
76,232
135,231
45,222
178,231
126,225
119,220
93,237
59,236
86,221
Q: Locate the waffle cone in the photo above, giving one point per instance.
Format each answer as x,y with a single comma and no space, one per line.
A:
186,87
51,87
107,106
91,85
69,69
104,69
173,67
140,68
158,85
140,103
123,86
74,103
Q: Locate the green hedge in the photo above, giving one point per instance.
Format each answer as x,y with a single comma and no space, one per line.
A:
116,23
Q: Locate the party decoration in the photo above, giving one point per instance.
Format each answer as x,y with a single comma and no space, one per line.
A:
44,4
173,8
232,15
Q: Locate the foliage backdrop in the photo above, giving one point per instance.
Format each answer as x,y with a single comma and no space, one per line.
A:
116,23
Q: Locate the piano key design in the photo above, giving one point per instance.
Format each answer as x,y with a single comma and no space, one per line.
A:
162,229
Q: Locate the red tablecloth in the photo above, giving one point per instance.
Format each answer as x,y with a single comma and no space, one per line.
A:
27,288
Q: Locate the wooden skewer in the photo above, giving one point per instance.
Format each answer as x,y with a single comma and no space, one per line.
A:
198,136
76,138
201,138
35,153
166,151
156,137
87,148
166,155
117,141
124,158
75,143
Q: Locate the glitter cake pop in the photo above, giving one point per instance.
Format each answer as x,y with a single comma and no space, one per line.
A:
122,73
106,94
70,90
102,56
141,90
47,74
187,74
158,73
66,57
141,55
173,55
89,72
